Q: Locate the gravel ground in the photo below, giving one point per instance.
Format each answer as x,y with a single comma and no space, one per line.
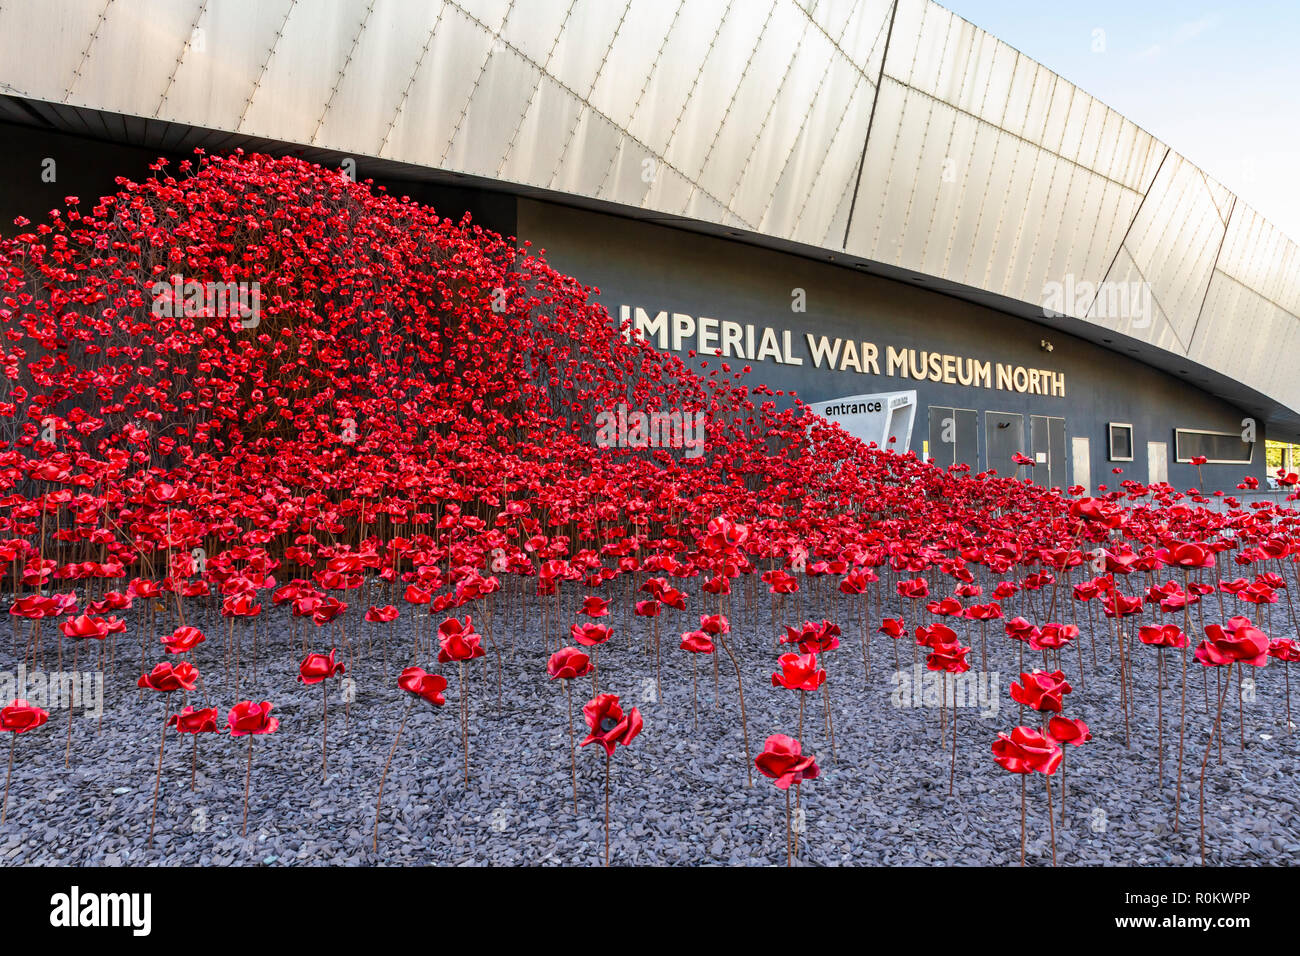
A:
679,793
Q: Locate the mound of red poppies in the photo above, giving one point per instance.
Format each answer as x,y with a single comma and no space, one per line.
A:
270,355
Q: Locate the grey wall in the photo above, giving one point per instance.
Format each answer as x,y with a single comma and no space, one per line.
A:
661,268
87,168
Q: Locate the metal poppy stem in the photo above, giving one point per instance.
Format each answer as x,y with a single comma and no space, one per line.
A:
1051,820
1062,786
1286,674
695,692
464,720
1023,786
374,840
153,813
1160,715
744,724
248,780
194,763
952,771
1241,712
1206,760
607,808
4,808
325,731
1182,725
788,857
573,757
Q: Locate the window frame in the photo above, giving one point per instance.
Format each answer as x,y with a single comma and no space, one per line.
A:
1211,461
1110,441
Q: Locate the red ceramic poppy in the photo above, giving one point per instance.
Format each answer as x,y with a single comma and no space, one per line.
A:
428,687
183,640
1026,750
798,672
1041,690
589,634
166,678
317,667
19,716
191,721
457,641
783,760
1068,731
1237,642
697,642
247,717
607,723
568,663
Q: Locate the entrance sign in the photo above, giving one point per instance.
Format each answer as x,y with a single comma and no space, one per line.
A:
873,418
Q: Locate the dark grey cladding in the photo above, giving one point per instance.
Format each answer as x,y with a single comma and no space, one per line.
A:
1081,387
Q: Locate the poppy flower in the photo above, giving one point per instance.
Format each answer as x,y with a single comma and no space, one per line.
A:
798,672
568,663
428,687
1284,649
1068,731
697,642
19,716
1026,750
381,615
1018,629
1040,690
648,608
948,607
893,627
715,624
191,721
1164,635
85,627
317,667
457,641
783,760
247,717
166,678
1184,555
915,589
1237,642
1053,637
183,640
948,658
589,634
607,723
813,638
16,718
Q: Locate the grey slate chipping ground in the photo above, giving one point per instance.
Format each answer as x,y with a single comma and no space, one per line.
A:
679,793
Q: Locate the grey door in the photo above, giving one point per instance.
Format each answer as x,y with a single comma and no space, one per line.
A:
1004,436
1082,463
1056,439
954,436
1157,462
1048,436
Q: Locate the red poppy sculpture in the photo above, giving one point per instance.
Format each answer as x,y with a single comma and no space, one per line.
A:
609,727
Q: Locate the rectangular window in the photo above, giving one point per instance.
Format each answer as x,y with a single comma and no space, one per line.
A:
1120,441
1219,448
